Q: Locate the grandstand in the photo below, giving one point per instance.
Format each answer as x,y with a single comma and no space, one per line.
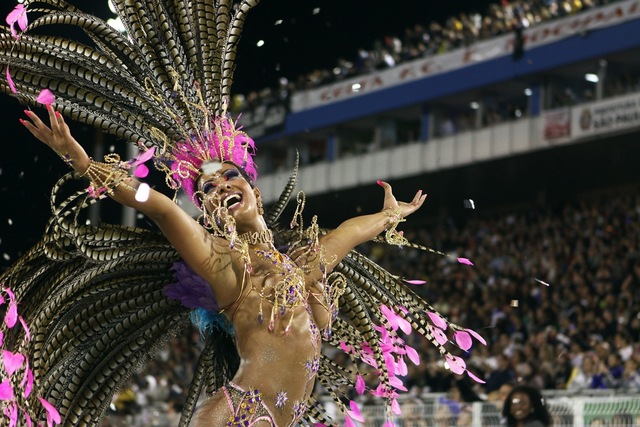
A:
467,114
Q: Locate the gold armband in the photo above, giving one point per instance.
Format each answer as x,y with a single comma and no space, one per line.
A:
105,177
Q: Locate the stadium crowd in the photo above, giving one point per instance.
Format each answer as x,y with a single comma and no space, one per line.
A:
421,41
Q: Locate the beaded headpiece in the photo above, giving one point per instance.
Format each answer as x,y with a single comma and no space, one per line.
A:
223,142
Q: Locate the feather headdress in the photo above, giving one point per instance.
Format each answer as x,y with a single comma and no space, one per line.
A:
163,83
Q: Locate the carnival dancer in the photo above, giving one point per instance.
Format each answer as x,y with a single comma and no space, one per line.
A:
99,299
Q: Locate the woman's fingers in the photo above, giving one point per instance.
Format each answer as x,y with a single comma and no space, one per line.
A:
53,121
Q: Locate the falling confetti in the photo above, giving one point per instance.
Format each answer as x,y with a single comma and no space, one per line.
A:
469,204
278,22
10,221
6,256
316,10
142,194
514,303
541,282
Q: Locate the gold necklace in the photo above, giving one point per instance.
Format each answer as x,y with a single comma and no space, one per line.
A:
255,237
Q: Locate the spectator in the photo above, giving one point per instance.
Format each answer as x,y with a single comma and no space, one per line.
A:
525,407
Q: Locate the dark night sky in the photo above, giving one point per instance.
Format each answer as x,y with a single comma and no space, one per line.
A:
312,34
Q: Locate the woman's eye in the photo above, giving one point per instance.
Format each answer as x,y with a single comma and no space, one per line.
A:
230,174
208,186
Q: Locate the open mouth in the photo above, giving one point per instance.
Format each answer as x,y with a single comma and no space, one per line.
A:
232,201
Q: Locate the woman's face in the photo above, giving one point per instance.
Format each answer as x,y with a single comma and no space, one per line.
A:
520,405
224,185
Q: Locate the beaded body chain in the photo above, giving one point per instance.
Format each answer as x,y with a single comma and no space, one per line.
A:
290,290
285,294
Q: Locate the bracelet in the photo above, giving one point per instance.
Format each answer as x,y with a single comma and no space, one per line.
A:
105,177
67,159
392,236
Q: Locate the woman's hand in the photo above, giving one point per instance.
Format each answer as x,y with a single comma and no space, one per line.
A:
402,209
58,138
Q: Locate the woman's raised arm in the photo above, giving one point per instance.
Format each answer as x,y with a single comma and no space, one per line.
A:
352,232
194,244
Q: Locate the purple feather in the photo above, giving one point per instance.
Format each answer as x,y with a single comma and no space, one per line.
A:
190,289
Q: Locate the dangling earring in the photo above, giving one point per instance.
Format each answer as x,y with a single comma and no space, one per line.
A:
260,208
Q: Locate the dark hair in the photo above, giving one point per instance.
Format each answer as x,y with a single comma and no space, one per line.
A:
539,413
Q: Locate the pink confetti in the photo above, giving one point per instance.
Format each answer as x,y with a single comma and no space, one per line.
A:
141,171
26,328
1,338
395,407
369,360
27,419
6,391
12,413
12,361
18,15
437,320
52,413
463,339
11,317
390,362
391,317
380,391
401,367
360,386
366,348
12,85
413,355
416,282
475,378
456,364
404,325
46,97
476,336
348,422
355,411
346,348
464,261
389,424
28,384
396,383
440,336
